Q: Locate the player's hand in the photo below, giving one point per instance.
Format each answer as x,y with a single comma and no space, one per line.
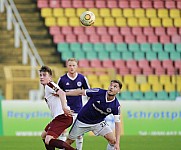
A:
116,147
67,111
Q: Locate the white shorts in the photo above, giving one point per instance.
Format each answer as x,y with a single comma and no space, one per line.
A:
79,128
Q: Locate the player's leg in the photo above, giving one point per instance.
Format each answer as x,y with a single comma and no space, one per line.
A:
111,140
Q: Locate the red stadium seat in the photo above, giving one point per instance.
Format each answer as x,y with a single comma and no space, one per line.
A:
170,4
83,38
137,31
71,38
113,30
102,31
54,3
155,63
94,38
96,63
123,4
146,4
158,4
105,38
67,30
66,4
167,64
54,30
108,63
77,4
136,71
58,38
143,63
130,39
153,39
125,31
160,71
78,30
147,71
148,31
90,30
172,31
117,39
89,4
176,39
164,39
120,63
177,64
42,4
84,63
112,4
160,31
141,38
123,71
178,4
131,64
135,4
100,4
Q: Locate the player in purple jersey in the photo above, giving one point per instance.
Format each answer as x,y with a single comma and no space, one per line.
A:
92,116
73,80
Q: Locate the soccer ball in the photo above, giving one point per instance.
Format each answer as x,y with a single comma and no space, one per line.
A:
87,18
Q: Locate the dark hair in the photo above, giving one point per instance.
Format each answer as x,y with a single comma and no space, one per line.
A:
117,81
46,69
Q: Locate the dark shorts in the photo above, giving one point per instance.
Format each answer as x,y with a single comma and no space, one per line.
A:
58,125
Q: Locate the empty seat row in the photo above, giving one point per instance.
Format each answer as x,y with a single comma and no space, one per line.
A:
114,12
141,31
120,47
169,4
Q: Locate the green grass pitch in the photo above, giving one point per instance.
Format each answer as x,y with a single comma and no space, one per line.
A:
98,143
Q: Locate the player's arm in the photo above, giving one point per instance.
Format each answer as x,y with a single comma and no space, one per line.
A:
76,92
117,134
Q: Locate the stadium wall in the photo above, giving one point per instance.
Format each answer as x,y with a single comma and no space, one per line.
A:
28,118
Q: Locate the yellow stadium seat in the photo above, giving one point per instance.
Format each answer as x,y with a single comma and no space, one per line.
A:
157,87
94,84
176,79
132,22
133,87
104,78
178,87
46,12
98,22
164,79
177,22
105,85
169,87
140,79
58,12
62,21
129,79
120,78
70,12
92,77
95,11
167,22
128,12
80,11
116,12
121,22
74,21
124,87
174,13
109,21
104,12
163,13
151,13
145,87
155,22
50,21
144,22
139,12
152,79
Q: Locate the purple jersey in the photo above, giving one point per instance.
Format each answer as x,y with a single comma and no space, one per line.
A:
97,107
67,84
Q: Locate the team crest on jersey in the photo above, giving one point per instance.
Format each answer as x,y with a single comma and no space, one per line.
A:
79,83
67,83
108,110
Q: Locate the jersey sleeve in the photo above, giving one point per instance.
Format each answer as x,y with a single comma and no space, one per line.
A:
59,83
92,92
86,83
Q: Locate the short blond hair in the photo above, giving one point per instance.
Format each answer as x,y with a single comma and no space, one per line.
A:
72,59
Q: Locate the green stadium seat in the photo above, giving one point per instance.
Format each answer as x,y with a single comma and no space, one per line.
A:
126,95
162,95
110,47
178,47
169,47
150,95
172,95
121,47
138,95
99,47
145,47
134,47
79,55
175,56
75,47
139,55
151,55
63,47
91,55
103,55
87,47
115,55
127,55
66,55
163,55
157,47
